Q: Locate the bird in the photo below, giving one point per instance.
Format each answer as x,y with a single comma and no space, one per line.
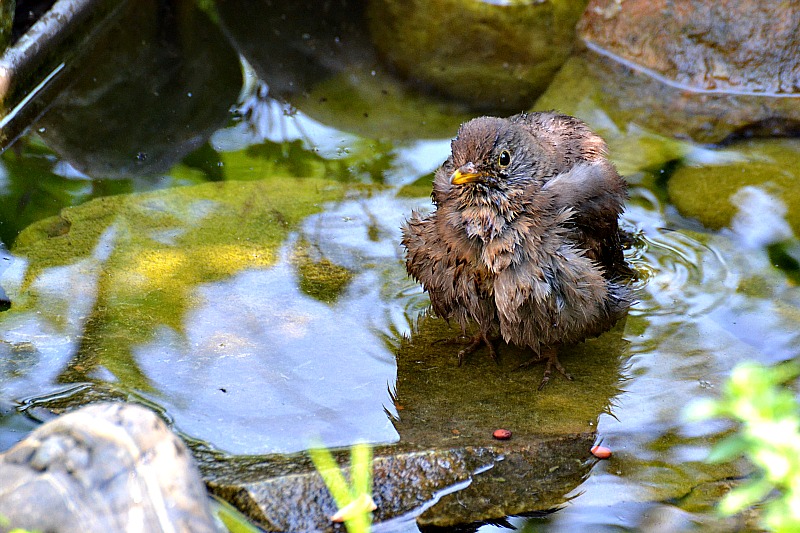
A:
524,239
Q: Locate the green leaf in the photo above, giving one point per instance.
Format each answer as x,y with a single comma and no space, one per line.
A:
361,468
332,475
744,496
731,447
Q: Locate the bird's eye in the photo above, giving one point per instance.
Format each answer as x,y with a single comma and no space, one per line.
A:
504,159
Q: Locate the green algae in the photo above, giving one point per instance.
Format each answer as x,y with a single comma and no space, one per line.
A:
320,278
149,252
706,192
377,105
419,188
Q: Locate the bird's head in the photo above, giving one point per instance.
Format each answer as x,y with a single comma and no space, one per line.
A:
492,156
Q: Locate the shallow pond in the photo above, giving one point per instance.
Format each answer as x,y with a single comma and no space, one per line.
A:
233,260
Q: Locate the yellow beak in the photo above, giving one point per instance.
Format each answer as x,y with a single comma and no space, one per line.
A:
466,174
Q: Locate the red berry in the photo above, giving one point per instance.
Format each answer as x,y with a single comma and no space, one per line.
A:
601,452
501,434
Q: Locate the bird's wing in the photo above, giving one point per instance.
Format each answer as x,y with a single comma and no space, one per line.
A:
595,194
593,190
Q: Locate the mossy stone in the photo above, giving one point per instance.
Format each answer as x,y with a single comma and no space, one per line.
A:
491,55
578,90
144,256
376,105
705,191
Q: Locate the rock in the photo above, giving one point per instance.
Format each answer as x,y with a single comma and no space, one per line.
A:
751,187
492,55
707,70
326,67
583,89
181,78
6,23
104,467
437,487
447,469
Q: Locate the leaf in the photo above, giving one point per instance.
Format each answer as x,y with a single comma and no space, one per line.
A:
744,496
731,447
332,476
361,468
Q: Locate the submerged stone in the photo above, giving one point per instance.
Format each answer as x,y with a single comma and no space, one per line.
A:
325,65
377,105
176,293
752,187
319,277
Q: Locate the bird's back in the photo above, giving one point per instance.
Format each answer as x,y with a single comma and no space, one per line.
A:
587,183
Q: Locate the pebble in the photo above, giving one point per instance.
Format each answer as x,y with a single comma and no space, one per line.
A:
501,434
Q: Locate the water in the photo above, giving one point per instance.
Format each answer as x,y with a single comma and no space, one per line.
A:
249,281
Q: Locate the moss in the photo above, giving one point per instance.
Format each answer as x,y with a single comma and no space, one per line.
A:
148,253
439,399
417,189
320,278
705,192
487,55
378,106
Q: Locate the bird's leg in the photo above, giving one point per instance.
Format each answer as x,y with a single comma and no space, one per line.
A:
475,342
549,355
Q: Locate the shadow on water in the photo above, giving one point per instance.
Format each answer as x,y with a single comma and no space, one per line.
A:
214,232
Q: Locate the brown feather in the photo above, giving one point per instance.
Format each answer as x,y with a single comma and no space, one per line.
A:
530,249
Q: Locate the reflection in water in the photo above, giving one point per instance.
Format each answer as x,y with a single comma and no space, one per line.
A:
276,370
760,219
196,304
181,76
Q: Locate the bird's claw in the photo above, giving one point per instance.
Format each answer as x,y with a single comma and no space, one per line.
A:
550,357
475,342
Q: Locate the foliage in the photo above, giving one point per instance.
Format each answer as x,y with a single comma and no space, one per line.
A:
353,500
229,518
4,523
768,435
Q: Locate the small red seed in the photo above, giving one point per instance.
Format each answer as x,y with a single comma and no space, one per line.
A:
601,452
501,434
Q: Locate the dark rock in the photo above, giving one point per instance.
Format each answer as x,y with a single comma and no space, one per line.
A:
105,467
707,70
437,487
180,79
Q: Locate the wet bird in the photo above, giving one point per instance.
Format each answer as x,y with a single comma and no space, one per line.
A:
524,240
